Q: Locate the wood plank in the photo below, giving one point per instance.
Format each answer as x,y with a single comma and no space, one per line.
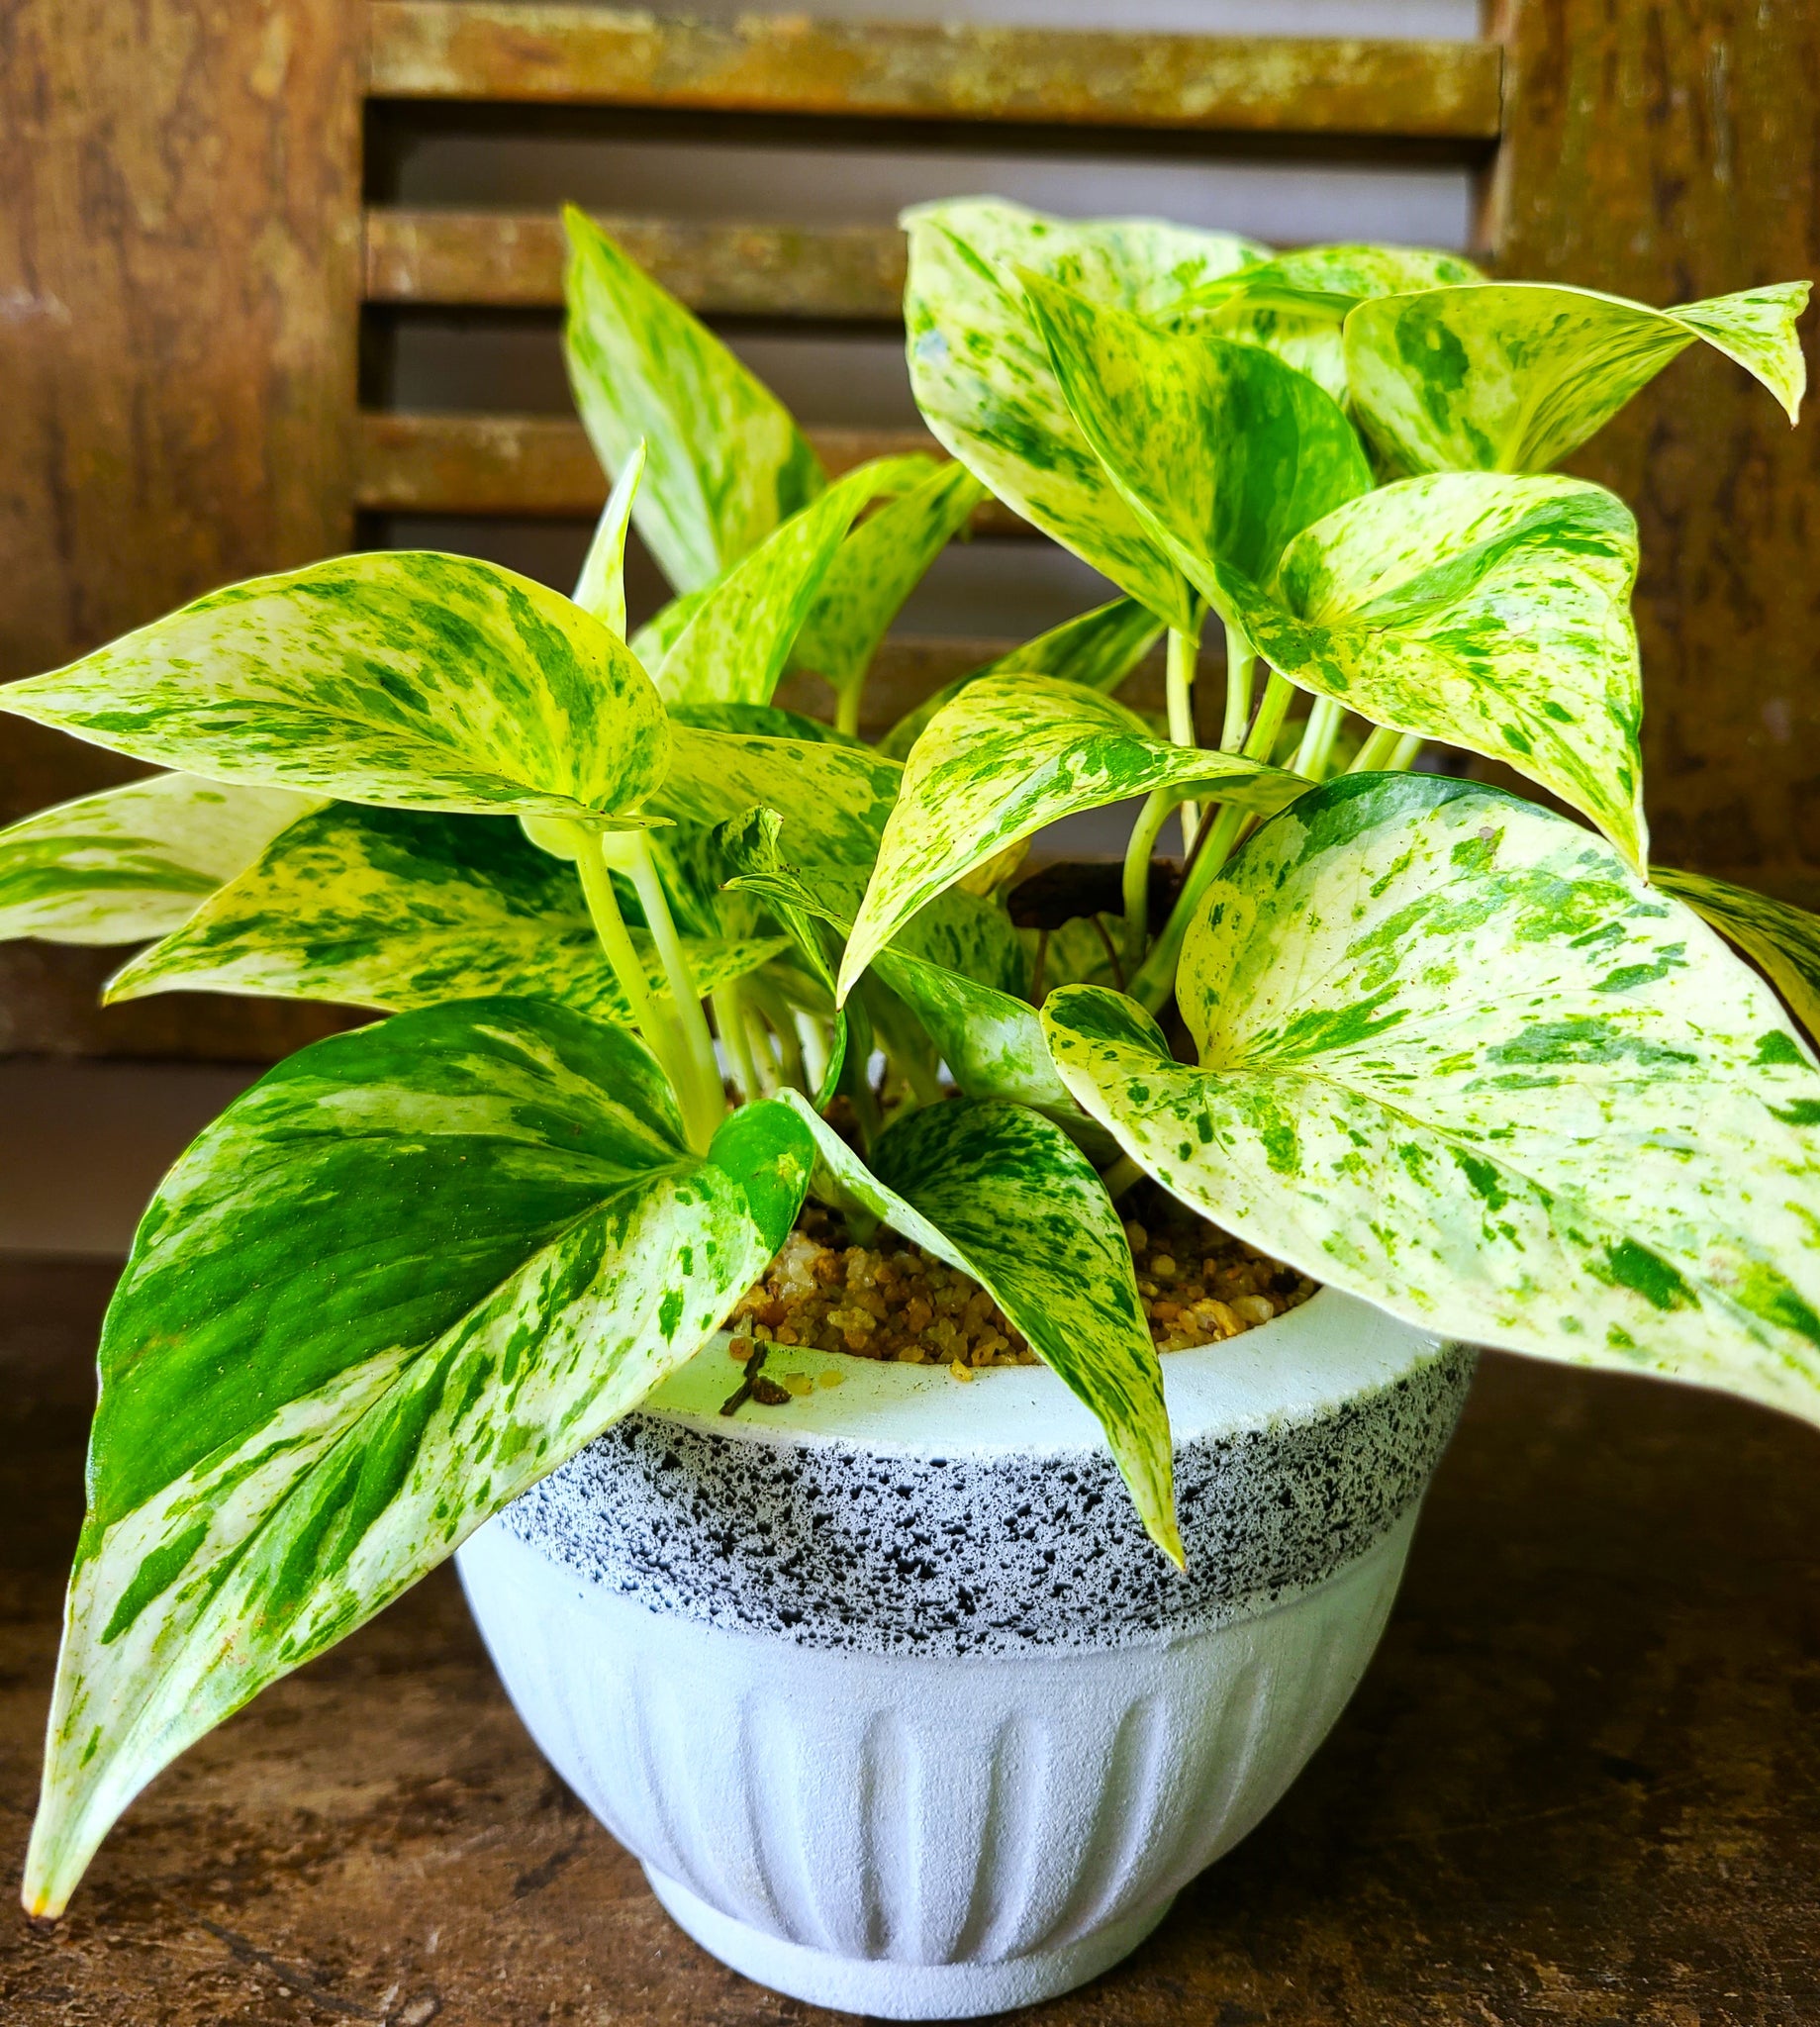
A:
511,261
544,468
1666,149
505,50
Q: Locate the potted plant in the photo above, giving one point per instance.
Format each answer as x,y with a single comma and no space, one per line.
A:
907,1701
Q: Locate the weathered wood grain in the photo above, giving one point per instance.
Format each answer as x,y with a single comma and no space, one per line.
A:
507,50
544,466
1669,149
179,280
1578,1786
512,261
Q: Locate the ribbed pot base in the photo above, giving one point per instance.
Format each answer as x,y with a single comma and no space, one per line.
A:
899,1991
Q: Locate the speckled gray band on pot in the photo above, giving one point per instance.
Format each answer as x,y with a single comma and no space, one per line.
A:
836,1544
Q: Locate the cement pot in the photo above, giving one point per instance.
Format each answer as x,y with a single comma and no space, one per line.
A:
889,1693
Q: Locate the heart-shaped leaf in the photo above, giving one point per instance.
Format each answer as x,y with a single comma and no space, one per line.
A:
1009,756
1221,451
1456,1058
1004,1194
405,1276
1780,938
399,909
402,678
982,377
1509,376
727,463
877,567
1295,305
837,795
1491,612
601,587
1099,650
735,640
136,862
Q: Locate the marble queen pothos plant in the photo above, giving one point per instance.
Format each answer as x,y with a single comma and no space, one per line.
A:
1469,1058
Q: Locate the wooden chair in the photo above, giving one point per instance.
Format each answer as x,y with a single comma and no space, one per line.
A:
184,258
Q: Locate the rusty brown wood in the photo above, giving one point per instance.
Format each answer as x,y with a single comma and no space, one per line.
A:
544,466
1580,1785
510,260
179,286
504,49
1667,149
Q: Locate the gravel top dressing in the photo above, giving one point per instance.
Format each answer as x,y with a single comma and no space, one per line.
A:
892,1301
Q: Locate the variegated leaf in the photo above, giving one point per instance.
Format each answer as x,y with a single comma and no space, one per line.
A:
735,642
405,1276
877,567
727,463
1456,1058
1004,1194
982,377
601,588
1487,612
1781,939
136,862
399,909
404,678
1509,376
1009,756
836,794
1221,451
1295,305
1099,650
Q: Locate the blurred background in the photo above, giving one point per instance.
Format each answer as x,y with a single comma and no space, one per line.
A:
214,371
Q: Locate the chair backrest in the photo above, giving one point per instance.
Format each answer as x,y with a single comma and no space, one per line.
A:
195,414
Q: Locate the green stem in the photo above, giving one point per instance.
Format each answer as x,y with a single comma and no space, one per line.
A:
1144,832
765,1057
1156,976
776,1010
1183,654
846,708
1317,738
856,1075
1239,659
703,1097
729,1018
1381,743
1402,756
616,942
1124,1174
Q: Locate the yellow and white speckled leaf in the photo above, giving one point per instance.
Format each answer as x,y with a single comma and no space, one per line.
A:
1003,1194
727,463
735,640
1009,756
834,795
601,587
1509,376
405,1276
399,909
877,567
136,862
1456,1058
1487,612
982,377
1785,940
1296,305
402,678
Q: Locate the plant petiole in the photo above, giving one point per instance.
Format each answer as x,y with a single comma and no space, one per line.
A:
701,1093
1183,654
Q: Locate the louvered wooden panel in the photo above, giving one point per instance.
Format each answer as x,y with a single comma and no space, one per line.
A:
511,261
507,51
544,468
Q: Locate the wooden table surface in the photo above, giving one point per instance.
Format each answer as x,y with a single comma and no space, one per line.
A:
1581,1783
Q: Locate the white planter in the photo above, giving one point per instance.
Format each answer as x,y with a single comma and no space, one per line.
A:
889,1693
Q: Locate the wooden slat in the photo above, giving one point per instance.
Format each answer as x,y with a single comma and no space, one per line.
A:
544,466
508,260
505,50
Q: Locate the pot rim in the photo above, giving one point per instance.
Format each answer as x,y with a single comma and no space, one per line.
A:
1299,1367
